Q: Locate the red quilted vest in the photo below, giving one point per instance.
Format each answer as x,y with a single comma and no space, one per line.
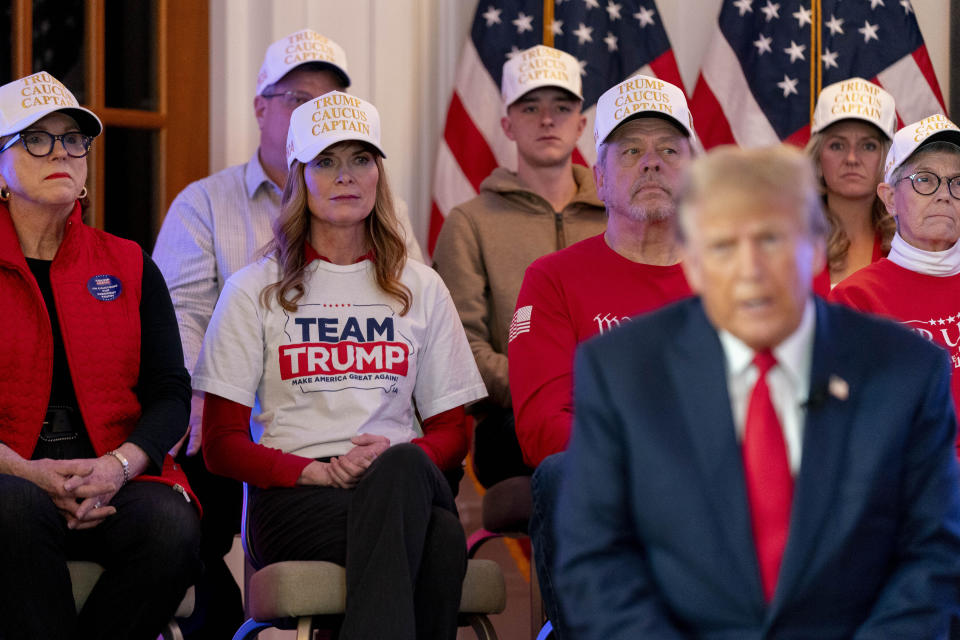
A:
101,337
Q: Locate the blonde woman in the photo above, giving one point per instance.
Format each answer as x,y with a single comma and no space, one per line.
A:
343,341
853,125
93,393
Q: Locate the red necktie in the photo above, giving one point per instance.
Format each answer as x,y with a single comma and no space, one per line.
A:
769,483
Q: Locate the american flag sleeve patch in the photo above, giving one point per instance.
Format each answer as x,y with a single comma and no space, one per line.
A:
521,322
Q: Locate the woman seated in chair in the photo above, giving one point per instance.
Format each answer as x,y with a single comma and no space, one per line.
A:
343,342
93,392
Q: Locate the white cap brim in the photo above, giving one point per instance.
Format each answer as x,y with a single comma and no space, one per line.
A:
330,119
87,120
642,96
855,99
538,67
27,100
301,48
310,151
319,65
905,142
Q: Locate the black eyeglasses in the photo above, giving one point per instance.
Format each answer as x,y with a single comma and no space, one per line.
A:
926,183
40,143
290,99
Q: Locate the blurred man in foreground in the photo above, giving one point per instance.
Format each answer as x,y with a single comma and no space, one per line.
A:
748,463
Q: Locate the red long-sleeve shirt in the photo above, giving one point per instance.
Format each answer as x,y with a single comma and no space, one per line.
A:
929,305
229,451
567,297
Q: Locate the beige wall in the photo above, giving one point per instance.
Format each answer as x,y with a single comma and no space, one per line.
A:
402,57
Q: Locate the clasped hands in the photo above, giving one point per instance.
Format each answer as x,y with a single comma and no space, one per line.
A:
345,471
80,488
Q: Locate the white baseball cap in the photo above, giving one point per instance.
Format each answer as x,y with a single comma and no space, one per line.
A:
329,119
301,47
537,67
855,99
26,100
935,128
638,96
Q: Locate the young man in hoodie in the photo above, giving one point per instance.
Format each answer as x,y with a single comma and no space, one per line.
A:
487,243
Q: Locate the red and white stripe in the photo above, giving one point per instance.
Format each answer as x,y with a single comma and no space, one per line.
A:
725,111
914,87
723,107
521,322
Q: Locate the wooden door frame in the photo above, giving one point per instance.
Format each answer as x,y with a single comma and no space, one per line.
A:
183,94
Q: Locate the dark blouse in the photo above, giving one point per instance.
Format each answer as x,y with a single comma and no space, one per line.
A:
163,387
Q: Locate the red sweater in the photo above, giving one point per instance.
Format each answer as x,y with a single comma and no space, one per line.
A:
567,297
930,305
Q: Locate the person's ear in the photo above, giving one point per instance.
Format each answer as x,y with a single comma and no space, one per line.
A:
886,192
507,127
259,110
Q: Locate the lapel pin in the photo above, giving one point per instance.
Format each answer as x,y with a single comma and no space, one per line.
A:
838,387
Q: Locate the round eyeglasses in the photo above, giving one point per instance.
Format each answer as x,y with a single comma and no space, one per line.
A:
926,183
40,143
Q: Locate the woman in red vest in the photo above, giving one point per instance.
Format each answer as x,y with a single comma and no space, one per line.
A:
93,393
852,127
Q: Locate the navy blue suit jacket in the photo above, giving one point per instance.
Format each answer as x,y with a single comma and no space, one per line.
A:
653,525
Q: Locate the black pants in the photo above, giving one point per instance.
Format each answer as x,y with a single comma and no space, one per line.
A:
149,550
397,534
218,610
496,450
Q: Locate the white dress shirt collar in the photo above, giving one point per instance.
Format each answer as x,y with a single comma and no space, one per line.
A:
789,380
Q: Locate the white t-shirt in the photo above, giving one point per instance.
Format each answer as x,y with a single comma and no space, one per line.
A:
344,363
215,227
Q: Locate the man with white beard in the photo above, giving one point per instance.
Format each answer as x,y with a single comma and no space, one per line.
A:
645,142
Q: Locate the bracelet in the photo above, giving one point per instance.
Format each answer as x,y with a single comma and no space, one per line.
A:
123,463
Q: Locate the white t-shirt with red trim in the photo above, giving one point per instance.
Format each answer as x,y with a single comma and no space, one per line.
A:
344,363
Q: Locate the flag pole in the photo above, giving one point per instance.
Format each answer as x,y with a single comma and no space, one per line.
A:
815,44
819,61
548,22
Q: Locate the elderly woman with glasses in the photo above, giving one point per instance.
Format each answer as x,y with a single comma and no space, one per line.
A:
93,393
919,281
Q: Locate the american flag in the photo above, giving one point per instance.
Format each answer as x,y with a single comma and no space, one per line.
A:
521,322
612,39
767,62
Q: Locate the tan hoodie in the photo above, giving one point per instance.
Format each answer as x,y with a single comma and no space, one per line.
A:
486,245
